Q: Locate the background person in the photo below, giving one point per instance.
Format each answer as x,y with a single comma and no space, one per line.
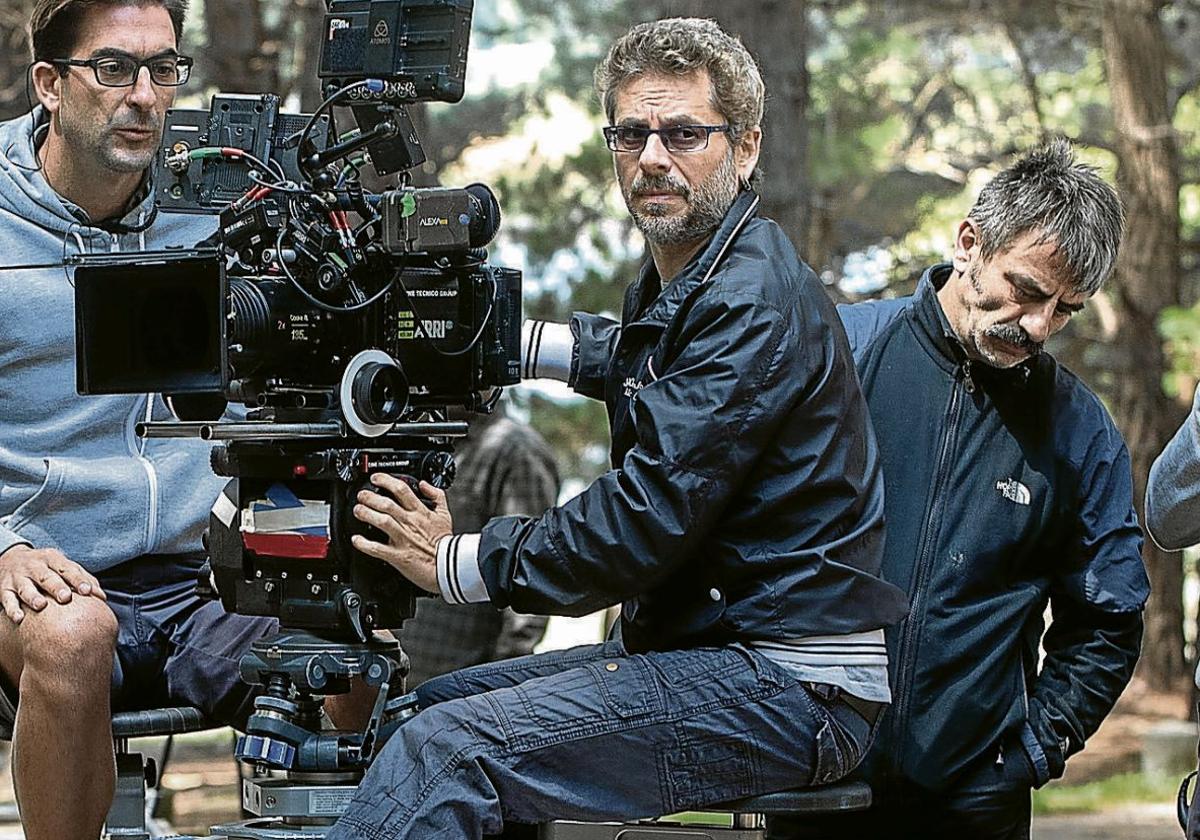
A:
505,468
1007,487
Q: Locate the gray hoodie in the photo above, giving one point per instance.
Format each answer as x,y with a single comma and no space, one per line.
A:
72,474
1173,491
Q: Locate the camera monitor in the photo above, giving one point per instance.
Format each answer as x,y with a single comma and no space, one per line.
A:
153,325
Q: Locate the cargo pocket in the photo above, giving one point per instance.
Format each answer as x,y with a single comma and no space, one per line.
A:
834,754
829,763
710,772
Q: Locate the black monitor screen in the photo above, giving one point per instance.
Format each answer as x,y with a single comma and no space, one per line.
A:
153,326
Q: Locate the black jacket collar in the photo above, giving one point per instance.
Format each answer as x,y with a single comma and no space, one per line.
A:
934,331
659,308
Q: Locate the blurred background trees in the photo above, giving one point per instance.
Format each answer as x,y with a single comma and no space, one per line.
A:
883,119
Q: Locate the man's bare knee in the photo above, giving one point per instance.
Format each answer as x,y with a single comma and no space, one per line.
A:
77,636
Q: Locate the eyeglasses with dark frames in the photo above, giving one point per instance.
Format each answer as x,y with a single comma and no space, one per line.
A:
123,70
675,138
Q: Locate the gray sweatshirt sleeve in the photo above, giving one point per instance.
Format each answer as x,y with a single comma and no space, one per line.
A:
10,538
1173,491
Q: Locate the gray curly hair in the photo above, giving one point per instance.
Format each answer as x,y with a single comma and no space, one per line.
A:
679,47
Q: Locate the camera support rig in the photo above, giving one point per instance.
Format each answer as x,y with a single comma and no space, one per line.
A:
332,601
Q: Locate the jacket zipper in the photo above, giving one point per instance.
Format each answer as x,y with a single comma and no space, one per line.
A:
906,653
152,479
140,454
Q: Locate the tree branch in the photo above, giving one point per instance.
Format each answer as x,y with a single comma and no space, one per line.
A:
1027,76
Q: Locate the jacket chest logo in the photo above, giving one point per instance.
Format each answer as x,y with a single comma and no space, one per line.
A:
631,386
1014,491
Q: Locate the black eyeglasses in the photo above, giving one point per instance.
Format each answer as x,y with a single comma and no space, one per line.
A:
676,138
123,70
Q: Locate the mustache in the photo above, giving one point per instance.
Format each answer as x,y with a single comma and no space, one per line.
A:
142,122
1013,334
659,184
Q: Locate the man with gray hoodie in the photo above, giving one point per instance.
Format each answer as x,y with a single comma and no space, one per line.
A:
99,531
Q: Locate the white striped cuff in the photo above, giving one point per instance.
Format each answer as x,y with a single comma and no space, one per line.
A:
458,570
546,350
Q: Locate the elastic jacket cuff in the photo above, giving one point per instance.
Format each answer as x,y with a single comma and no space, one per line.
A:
1037,755
546,350
458,570
10,538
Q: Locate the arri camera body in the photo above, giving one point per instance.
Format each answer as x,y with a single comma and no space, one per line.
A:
321,335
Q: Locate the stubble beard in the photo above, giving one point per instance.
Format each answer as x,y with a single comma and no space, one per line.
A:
707,205
101,143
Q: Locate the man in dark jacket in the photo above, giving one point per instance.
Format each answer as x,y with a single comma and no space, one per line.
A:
741,524
1008,487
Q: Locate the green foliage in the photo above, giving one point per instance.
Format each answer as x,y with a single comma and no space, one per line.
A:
1180,331
1106,794
576,430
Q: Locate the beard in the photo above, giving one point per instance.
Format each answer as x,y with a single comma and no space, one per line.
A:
706,205
100,142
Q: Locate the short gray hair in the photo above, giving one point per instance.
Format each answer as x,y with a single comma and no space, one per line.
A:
1066,201
680,47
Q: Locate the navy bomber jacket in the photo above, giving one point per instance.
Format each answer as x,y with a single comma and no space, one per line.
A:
745,501
1005,490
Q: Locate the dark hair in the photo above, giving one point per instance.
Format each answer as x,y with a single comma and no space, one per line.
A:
54,24
1068,203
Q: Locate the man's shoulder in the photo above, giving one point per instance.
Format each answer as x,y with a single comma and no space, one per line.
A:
763,265
179,230
866,321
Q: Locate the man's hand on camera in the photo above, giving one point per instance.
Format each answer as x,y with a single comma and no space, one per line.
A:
28,576
413,530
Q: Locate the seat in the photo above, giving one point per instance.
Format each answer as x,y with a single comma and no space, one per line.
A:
825,799
747,815
128,816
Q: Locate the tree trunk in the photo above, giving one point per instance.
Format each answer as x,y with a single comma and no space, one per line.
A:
311,15
241,58
1147,279
14,59
776,33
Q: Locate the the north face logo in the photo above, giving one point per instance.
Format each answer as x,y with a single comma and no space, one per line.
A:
1014,491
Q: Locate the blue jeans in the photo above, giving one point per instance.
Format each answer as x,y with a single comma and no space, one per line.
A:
593,733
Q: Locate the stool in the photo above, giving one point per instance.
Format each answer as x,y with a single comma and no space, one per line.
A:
749,816
127,817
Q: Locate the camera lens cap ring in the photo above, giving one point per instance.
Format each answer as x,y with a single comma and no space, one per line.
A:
346,392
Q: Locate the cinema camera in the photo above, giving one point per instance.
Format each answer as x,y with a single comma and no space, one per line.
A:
342,326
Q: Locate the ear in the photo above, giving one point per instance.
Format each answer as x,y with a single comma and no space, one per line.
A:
966,245
47,84
745,153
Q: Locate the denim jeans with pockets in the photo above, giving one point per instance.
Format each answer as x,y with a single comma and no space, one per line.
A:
593,733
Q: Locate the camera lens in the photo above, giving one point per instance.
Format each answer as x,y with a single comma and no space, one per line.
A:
380,393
